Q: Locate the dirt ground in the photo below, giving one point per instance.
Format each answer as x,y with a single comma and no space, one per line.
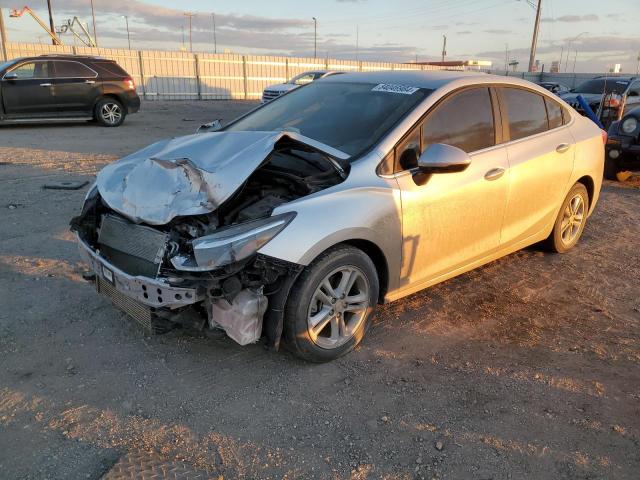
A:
526,368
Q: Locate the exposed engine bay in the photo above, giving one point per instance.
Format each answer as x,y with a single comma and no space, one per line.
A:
204,269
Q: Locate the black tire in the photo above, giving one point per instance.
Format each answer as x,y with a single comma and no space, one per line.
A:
299,304
109,112
611,168
557,242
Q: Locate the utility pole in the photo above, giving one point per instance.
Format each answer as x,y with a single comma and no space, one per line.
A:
93,15
190,16
215,42
53,28
3,38
575,59
182,29
560,64
444,47
637,64
126,19
315,37
506,57
534,40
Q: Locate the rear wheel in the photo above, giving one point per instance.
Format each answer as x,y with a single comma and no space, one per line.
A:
109,112
570,221
329,308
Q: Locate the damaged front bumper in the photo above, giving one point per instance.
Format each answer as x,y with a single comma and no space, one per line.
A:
151,292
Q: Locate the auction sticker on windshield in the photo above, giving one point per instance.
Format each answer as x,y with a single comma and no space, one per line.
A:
390,88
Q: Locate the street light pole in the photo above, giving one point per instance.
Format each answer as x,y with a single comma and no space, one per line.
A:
215,43
126,19
566,61
315,37
93,15
190,16
534,40
444,47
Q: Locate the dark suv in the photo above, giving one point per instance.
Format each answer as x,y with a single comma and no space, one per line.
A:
66,87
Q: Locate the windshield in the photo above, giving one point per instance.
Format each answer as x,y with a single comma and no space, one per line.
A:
598,86
351,117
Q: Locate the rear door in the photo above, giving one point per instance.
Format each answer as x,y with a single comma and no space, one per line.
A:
541,153
29,93
75,87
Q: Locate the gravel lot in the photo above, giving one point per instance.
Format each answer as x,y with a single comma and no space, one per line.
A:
526,368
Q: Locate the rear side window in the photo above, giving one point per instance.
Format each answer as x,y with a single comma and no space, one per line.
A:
526,112
554,112
111,69
72,70
465,121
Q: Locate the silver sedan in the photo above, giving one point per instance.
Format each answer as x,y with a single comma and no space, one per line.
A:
294,221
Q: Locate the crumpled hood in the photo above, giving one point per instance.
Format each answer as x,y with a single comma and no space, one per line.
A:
188,175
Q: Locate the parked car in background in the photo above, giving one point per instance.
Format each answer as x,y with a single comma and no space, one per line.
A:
610,91
274,91
623,145
554,87
299,217
66,87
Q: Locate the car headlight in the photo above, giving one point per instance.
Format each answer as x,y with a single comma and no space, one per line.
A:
629,125
231,244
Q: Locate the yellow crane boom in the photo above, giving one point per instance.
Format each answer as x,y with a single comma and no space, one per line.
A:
15,13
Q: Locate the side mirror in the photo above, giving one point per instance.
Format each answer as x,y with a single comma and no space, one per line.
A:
210,127
441,158
10,76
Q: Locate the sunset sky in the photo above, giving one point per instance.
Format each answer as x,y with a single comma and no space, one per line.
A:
392,31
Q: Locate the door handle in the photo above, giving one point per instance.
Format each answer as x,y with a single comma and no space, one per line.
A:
90,81
494,173
563,147
45,84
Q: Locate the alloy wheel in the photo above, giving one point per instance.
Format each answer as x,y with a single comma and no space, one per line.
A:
111,113
572,219
338,307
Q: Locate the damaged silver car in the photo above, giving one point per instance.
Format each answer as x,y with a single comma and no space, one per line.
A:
292,222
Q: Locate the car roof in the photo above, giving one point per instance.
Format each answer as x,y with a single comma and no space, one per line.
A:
64,57
423,79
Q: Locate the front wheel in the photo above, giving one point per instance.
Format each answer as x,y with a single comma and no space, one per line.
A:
109,112
570,221
329,308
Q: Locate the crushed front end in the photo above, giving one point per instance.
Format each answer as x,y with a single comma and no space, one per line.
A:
192,258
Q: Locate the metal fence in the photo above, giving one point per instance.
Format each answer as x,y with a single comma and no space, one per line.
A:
172,75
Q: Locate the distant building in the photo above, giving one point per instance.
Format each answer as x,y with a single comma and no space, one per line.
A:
474,64
555,67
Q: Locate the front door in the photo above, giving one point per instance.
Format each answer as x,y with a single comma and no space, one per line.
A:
27,90
450,220
75,87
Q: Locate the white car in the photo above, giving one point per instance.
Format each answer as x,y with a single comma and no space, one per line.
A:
274,91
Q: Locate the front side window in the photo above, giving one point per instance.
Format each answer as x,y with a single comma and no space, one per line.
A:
465,121
72,70
603,85
32,70
351,117
526,112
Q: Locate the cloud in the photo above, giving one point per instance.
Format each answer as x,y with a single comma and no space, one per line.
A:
464,32
498,31
440,27
573,18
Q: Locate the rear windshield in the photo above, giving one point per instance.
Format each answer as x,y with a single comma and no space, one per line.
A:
603,85
6,64
109,68
351,117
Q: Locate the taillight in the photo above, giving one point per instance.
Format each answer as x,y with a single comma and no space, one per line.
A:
604,137
130,83
612,103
